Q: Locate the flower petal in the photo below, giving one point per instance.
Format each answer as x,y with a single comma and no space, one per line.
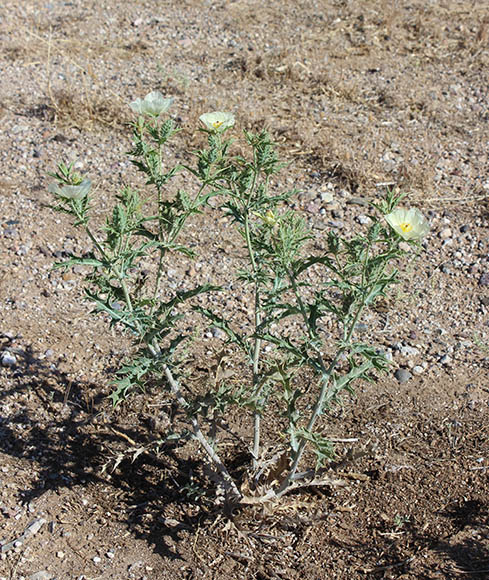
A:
153,104
410,224
136,106
218,121
71,191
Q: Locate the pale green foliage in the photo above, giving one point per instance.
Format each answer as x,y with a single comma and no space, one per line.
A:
349,276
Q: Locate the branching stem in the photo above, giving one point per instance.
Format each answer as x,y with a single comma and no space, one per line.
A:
117,273
326,393
229,486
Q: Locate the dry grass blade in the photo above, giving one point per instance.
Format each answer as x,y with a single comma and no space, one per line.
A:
464,571
388,567
81,103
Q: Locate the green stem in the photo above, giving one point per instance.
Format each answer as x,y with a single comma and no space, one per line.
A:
326,392
256,345
109,261
256,377
160,231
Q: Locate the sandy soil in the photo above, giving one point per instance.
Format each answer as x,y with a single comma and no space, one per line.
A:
357,94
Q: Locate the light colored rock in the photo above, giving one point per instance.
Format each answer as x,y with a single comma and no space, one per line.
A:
7,359
409,351
34,527
42,575
445,233
445,359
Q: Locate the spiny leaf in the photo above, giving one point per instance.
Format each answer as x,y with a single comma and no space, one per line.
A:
74,261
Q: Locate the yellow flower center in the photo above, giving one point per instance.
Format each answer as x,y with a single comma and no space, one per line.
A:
406,227
269,218
217,124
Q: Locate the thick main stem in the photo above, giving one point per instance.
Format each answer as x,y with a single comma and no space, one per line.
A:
256,348
230,488
256,378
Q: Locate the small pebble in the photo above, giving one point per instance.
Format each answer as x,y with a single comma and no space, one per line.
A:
418,370
409,351
326,196
445,359
336,224
312,207
484,279
110,555
41,575
445,233
35,526
97,560
135,566
7,359
402,376
60,554
218,333
363,220
10,233
445,268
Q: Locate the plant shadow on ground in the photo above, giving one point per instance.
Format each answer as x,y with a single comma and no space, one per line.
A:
71,442
468,553
462,550
69,436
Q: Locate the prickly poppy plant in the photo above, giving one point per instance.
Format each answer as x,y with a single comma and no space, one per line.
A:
290,284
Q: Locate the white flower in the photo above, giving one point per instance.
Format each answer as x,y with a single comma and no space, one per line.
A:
410,224
153,104
71,191
218,121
